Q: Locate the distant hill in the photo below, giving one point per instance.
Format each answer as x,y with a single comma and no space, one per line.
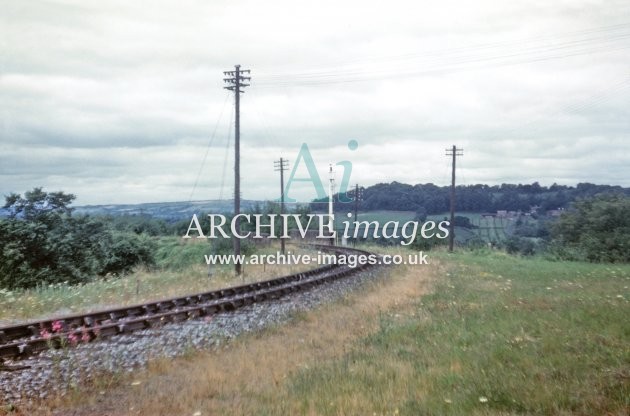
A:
426,199
432,199
170,211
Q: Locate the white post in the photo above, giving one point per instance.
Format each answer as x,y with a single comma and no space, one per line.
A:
331,190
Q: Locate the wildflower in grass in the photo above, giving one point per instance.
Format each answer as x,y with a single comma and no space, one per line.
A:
44,333
73,338
483,399
57,326
85,335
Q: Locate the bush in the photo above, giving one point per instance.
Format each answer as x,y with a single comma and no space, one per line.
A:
75,250
126,251
520,245
426,244
596,229
464,222
42,243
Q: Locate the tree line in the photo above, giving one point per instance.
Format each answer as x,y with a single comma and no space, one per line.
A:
43,242
433,199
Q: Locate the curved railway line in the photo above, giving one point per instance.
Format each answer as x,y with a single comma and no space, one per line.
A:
23,340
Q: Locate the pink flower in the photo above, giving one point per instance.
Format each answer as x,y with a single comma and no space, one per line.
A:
44,333
57,326
85,337
74,339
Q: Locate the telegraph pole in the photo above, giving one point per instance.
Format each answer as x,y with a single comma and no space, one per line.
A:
281,165
357,198
235,83
454,152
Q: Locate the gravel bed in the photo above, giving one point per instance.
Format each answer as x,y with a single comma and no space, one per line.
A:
53,372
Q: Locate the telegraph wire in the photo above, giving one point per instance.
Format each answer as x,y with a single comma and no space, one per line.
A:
205,156
534,53
226,156
441,52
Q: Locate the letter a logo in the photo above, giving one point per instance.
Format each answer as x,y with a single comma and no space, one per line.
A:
313,176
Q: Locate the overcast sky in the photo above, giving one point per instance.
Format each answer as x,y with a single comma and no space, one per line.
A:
117,101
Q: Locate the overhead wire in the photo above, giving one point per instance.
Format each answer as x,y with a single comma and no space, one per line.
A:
266,133
604,39
205,156
442,63
441,52
226,155
520,44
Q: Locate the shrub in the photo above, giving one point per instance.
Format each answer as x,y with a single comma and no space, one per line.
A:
596,229
42,243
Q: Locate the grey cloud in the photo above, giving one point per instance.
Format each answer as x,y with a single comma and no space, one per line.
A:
116,101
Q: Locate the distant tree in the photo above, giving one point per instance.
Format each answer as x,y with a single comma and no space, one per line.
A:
139,224
472,198
36,204
421,214
464,222
597,229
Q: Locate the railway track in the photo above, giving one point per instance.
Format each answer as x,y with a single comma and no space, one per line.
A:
23,340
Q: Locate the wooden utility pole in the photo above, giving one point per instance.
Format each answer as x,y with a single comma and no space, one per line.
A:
281,165
235,83
454,152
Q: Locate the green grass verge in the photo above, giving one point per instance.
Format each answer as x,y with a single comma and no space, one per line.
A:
500,335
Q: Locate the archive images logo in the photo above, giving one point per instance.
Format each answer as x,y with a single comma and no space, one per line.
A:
278,225
305,158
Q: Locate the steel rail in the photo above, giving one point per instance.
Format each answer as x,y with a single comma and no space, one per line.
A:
23,340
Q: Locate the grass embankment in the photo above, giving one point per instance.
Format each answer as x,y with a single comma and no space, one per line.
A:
180,270
498,335
502,335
